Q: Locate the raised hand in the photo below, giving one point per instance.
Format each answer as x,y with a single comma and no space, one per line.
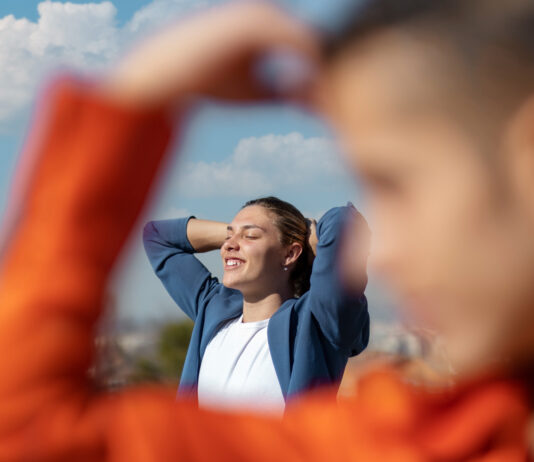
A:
212,54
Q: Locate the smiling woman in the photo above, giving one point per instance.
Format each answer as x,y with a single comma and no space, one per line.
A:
298,234
274,327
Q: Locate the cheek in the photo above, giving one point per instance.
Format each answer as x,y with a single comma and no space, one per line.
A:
476,255
263,257
447,238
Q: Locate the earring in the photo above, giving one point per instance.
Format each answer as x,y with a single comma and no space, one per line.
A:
285,268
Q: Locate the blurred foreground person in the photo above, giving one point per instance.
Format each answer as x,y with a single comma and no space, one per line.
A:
434,103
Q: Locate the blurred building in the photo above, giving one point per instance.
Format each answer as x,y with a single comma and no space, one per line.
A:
132,353
415,352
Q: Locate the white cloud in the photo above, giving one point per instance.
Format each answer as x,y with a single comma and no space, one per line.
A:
78,33
262,165
82,36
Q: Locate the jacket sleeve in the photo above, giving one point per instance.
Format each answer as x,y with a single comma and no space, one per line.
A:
186,279
82,199
342,316
81,196
80,186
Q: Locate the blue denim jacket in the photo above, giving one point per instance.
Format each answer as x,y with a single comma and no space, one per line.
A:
310,337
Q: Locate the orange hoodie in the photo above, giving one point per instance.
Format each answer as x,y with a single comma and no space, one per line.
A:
85,176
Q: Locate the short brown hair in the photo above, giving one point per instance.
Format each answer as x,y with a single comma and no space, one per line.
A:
293,227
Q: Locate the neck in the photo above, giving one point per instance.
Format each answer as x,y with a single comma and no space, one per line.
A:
258,308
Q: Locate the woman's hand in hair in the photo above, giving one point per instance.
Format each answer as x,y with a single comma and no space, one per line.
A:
312,236
211,54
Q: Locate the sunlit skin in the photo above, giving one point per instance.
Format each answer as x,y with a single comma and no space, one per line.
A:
254,259
452,230
222,48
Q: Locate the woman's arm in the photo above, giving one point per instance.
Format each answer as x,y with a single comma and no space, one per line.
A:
342,315
171,254
206,235
170,246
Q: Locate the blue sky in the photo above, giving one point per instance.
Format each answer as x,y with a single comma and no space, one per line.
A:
226,155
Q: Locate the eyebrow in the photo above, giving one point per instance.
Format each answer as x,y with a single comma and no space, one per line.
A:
229,228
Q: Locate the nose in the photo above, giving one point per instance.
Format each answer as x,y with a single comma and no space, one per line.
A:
232,243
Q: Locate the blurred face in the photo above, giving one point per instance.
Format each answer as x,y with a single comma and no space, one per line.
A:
452,229
252,254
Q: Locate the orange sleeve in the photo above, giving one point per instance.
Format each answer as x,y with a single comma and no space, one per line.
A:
89,169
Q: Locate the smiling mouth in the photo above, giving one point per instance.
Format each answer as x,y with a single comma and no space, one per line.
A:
232,263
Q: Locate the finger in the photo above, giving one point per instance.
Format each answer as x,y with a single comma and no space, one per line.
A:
270,27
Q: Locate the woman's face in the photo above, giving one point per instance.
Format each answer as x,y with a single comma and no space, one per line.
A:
253,256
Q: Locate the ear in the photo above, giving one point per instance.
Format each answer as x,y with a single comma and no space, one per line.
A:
293,252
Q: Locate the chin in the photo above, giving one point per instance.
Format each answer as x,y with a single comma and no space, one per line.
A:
473,355
231,283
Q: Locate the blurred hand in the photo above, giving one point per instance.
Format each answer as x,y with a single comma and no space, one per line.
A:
211,54
354,253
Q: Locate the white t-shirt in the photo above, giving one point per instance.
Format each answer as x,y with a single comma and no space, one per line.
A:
237,370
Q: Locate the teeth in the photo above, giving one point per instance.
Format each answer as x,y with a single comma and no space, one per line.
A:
233,262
